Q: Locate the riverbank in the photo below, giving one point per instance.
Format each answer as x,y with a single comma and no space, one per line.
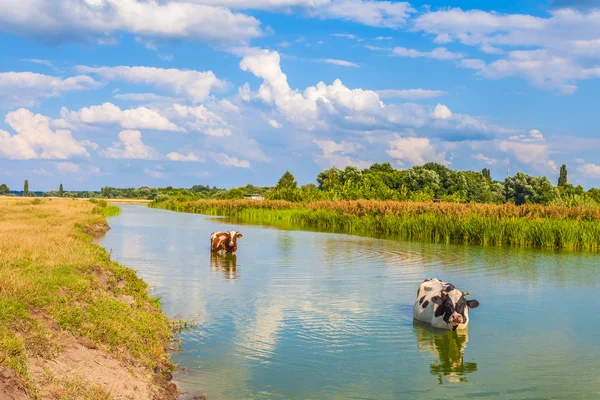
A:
73,323
537,226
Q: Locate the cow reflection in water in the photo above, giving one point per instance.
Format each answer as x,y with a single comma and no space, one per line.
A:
447,347
226,263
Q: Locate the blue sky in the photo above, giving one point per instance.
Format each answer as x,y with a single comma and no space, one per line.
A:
228,92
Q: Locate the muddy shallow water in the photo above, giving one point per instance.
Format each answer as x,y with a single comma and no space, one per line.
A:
312,315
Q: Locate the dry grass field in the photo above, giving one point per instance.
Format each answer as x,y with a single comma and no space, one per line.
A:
74,324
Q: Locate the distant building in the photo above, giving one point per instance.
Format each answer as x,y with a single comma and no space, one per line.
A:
254,197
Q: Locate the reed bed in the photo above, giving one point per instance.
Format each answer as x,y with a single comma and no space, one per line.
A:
519,226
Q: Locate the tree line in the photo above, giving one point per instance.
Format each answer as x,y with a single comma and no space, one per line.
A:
428,182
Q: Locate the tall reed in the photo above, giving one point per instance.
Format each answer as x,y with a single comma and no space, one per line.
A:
520,226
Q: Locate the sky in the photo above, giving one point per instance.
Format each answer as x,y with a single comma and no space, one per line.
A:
131,93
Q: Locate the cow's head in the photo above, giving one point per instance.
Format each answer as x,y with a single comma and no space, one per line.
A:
233,236
453,307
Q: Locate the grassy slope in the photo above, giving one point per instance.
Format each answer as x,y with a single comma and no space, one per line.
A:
520,226
49,266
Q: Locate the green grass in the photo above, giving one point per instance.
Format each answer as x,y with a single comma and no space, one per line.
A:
523,226
49,267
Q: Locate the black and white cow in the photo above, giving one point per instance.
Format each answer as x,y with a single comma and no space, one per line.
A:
442,305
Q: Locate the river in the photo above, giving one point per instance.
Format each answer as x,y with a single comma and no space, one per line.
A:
313,315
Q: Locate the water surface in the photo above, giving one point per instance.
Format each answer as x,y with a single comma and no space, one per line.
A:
312,315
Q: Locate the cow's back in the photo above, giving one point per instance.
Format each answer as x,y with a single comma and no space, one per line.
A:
217,240
423,307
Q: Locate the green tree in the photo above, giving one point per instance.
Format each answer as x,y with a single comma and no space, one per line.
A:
562,179
287,181
234,194
352,174
330,179
60,190
4,190
523,188
26,188
486,174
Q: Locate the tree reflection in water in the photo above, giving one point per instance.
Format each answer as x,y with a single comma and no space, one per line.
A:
226,263
447,347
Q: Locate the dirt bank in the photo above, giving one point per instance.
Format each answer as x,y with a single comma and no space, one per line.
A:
74,324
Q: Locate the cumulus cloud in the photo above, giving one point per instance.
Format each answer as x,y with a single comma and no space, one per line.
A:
337,106
415,151
441,112
35,139
75,20
189,157
27,88
200,119
535,155
108,113
410,94
224,159
589,170
130,146
196,85
552,53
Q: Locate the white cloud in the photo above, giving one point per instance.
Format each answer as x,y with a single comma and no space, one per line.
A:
130,146
70,20
224,159
200,119
330,147
344,35
274,124
174,156
336,154
26,88
336,106
155,174
341,63
35,139
441,112
108,113
588,169
146,98
386,14
68,168
535,155
534,135
487,160
40,62
550,52
410,94
440,53
195,85
415,151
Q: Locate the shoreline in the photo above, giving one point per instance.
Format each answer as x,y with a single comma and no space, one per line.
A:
526,226
73,323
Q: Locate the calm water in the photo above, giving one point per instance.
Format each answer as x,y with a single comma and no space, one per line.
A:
308,315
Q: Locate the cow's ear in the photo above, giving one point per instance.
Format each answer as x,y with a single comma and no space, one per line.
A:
472,303
437,300
239,235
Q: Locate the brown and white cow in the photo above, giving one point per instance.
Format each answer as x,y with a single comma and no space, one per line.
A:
224,242
442,305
